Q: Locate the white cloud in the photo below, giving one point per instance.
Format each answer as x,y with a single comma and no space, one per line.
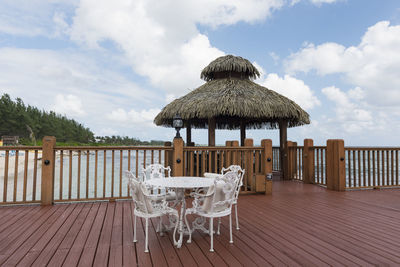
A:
70,83
33,17
372,65
350,117
68,104
160,38
319,2
290,87
142,117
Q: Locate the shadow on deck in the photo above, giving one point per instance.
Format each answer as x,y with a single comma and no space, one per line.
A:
298,225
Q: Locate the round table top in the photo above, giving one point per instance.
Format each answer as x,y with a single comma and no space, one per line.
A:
181,182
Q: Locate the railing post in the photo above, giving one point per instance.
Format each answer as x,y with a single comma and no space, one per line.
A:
262,183
248,142
308,162
228,155
294,160
178,157
287,164
235,154
335,165
48,156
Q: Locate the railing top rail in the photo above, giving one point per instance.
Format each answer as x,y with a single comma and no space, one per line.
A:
20,147
112,148
318,147
371,148
218,148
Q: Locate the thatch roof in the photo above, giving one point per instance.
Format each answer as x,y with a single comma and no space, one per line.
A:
230,101
230,64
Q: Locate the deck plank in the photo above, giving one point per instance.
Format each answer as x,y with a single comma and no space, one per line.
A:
298,225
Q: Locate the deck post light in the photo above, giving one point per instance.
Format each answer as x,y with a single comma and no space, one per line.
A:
177,124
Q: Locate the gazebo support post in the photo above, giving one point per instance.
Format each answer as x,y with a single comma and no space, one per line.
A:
242,132
283,148
188,135
211,132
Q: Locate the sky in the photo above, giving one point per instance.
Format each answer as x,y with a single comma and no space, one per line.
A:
113,65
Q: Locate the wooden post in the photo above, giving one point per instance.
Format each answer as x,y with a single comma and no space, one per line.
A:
294,160
228,155
211,132
262,184
235,154
178,157
288,166
283,149
308,162
335,165
48,156
242,133
188,134
249,165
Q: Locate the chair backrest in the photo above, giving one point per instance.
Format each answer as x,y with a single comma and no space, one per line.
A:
223,195
139,194
240,172
155,171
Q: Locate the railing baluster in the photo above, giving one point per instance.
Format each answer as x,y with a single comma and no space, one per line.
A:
373,168
392,166
15,176
112,172
34,175
397,167
120,172
70,176
60,189
369,167
79,175
104,172
387,168
96,155
87,173
25,175
378,167
137,164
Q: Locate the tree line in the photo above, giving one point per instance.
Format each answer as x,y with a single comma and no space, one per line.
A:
32,124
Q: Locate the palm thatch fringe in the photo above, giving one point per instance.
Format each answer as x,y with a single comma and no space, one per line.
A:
230,101
229,63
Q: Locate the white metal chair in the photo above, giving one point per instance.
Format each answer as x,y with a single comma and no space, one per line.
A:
240,172
147,205
215,203
157,171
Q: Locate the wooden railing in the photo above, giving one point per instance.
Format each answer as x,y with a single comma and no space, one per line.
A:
276,162
52,173
20,170
198,160
320,164
97,173
374,167
61,174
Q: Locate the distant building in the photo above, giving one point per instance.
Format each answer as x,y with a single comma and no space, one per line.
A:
9,140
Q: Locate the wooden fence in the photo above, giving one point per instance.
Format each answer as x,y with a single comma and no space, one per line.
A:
51,174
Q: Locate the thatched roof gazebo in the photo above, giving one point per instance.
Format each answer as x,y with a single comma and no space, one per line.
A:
231,100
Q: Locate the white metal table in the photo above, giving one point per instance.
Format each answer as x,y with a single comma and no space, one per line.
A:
180,184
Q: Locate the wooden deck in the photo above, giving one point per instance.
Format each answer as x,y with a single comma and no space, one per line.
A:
298,225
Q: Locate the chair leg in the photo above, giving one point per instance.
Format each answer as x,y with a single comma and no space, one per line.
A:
134,229
146,246
237,219
190,231
160,227
212,234
230,228
219,224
